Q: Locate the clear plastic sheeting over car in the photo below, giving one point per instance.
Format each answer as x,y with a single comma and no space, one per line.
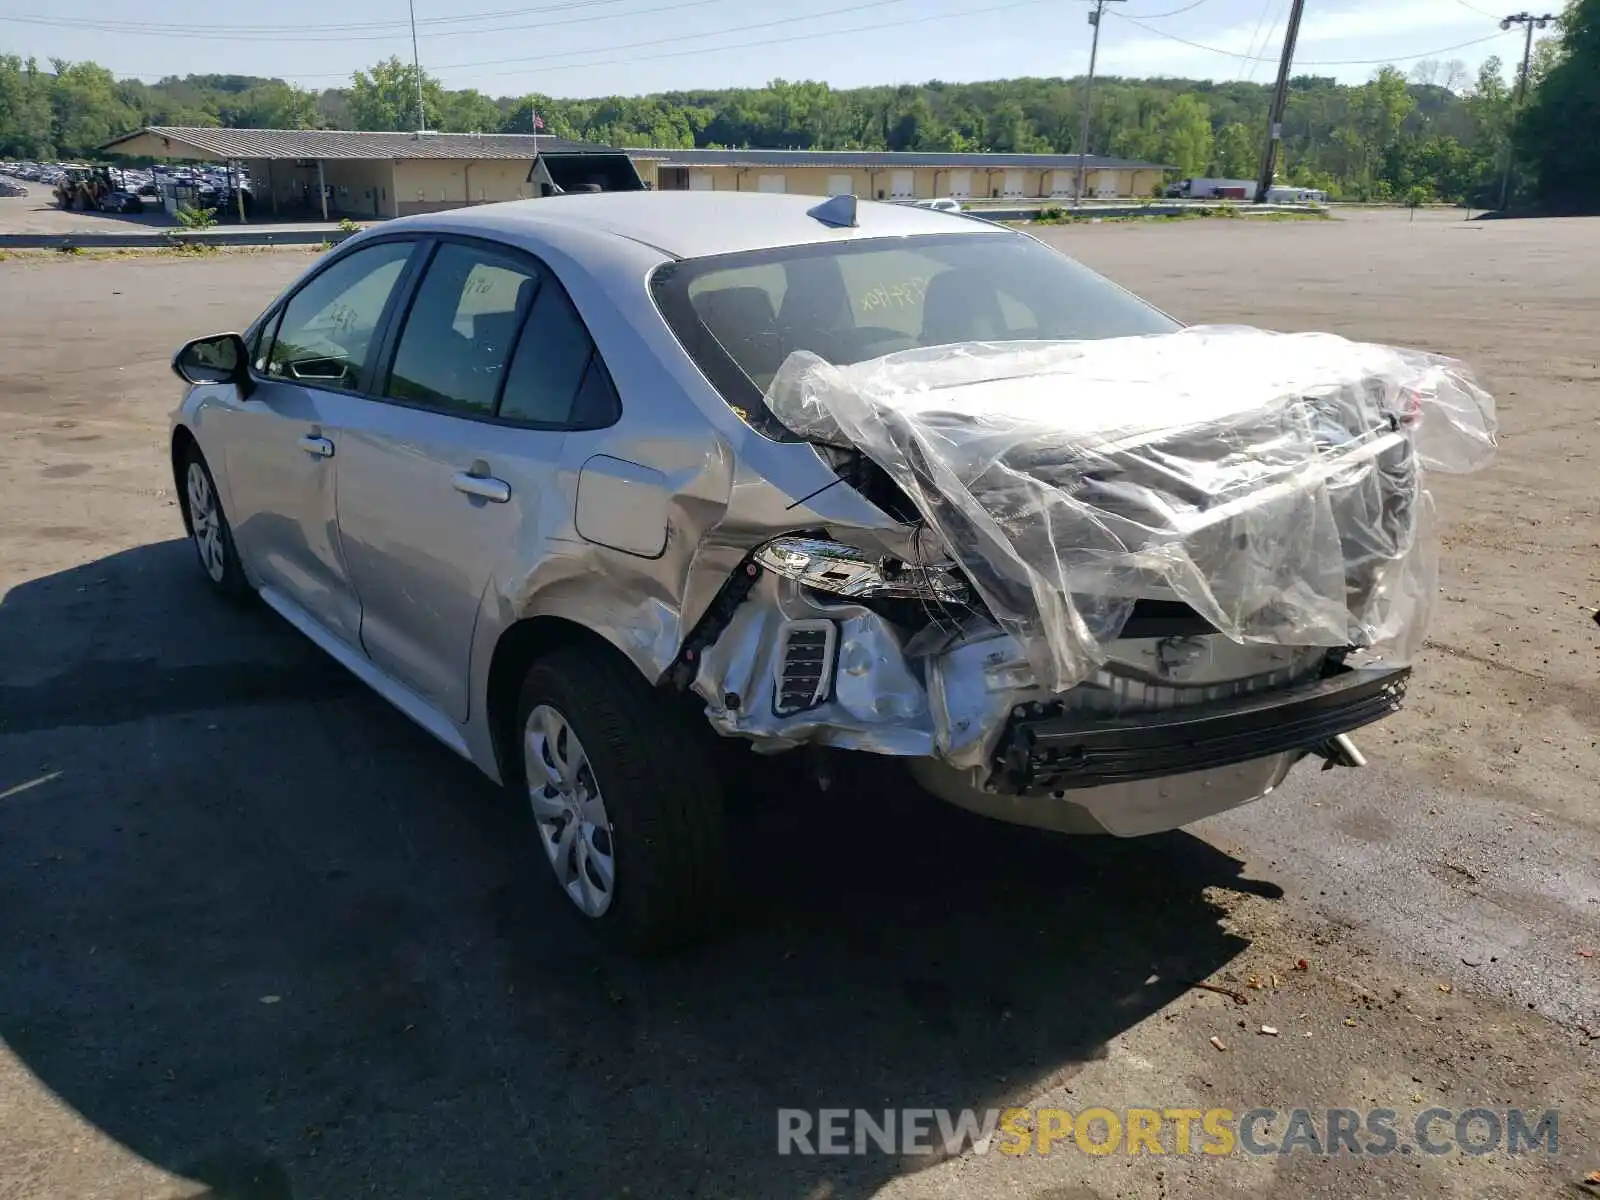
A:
1271,482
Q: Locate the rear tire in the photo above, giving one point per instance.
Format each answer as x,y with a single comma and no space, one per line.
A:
209,530
636,841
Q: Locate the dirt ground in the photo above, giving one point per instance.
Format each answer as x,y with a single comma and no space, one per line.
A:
264,939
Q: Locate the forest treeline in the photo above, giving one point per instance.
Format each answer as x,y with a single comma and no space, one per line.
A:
1437,132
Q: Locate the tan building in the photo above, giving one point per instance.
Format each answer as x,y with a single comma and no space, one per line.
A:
333,173
888,175
358,174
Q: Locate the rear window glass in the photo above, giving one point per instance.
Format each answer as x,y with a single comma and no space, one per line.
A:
740,315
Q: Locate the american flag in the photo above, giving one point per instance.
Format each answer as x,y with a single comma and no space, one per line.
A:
538,122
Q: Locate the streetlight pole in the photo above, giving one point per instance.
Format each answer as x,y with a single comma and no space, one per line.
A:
1528,22
1088,94
416,67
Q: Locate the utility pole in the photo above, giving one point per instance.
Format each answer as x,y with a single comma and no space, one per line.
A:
1528,22
1088,94
1280,101
416,67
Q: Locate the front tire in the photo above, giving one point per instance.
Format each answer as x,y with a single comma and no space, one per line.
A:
209,530
626,801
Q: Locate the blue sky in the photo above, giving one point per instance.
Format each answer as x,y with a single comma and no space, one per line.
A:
600,47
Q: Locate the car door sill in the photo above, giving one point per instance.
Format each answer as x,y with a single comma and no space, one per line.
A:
397,694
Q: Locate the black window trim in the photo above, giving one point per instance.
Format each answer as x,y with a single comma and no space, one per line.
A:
543,274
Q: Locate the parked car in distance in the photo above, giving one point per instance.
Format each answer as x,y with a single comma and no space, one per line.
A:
512,466
941,204
121,202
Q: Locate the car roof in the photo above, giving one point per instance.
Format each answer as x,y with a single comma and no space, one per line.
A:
691,224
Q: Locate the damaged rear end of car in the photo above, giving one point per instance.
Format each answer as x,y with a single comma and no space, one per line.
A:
1118,575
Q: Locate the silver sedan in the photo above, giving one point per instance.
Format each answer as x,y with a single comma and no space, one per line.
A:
513,467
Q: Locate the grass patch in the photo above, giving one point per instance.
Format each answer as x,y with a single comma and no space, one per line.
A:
103,253
192,249
1053,215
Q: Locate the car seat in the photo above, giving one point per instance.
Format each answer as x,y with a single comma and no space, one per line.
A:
962,305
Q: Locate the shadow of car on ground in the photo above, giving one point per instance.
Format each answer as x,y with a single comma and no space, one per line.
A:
266,934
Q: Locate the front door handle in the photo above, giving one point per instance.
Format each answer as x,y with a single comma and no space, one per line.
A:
320,446
496,491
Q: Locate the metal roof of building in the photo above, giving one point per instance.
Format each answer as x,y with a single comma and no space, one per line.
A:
864,159
190,141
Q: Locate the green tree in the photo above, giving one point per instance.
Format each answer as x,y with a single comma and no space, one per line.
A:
1378,111
468,111
1236,152
384,97
1381,138
1556,135
25,113
1183,135
86,110
273,105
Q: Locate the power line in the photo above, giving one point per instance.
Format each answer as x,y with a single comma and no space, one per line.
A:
681,37
799,37
1171,13
433,33
1326,62
1257,43
157,28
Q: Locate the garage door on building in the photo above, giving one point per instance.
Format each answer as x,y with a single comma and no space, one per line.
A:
1063,183
1105,184
902,185
699,181
769,183
960,184
1013,184
840,185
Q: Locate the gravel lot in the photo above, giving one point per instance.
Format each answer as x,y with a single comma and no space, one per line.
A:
262,938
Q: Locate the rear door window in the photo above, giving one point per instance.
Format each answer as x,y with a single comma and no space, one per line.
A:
458,335
557,379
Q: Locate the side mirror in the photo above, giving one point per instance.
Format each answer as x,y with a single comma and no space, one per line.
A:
221,358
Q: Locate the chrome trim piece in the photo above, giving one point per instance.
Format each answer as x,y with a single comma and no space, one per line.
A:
846,571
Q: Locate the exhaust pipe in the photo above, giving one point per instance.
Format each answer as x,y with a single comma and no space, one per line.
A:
1340,751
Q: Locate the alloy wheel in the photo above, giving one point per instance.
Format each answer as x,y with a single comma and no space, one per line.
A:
205,518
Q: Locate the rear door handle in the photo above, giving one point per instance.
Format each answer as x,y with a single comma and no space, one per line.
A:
320,446
496,491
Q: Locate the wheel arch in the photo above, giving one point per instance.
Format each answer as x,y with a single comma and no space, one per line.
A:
515,651
183,441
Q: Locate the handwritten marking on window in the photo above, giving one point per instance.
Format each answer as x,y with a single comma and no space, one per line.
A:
907,293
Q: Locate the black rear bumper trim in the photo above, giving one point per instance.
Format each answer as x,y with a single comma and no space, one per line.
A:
1045,754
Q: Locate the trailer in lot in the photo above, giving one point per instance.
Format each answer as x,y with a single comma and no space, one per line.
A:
1214,189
